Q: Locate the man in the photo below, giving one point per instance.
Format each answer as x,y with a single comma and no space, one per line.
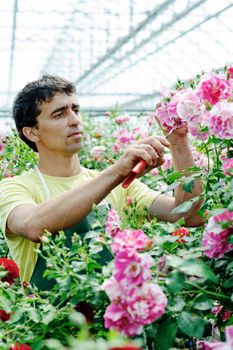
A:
59,194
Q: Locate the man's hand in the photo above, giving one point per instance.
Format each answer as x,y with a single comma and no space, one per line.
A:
179,134
149,149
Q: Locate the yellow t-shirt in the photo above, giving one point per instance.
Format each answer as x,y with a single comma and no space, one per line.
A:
28,188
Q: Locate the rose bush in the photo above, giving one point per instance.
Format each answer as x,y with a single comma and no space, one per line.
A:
166,286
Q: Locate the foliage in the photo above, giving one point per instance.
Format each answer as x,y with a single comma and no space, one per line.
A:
197,284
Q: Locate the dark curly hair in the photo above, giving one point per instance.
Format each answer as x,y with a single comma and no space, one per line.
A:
27,104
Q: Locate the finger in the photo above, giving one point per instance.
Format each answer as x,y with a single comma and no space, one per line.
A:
158,145
141,153
163,141
159,104
160,161
151,150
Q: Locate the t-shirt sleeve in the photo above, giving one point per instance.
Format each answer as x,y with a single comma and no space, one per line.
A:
12,194
142,194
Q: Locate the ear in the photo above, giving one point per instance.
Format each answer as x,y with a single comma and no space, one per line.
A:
31,133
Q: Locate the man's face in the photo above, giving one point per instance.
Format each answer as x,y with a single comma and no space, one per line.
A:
60,125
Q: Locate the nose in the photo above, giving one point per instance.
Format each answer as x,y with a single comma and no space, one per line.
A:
74,117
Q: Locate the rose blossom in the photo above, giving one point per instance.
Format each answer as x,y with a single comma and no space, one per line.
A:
228,167
124,136
230,72
1,147
140,307
189,105
86,309
181,233
4,316
132,269
112,223
114,290
147,303
226,315
220,122
213,88
151,118
168,162
116,148
200,159
215,237
97,151
107,114
129,200
122,119
217,345
140,132
117,317
216,310
16,346
154,172
131,240
198,123
166,114
12,269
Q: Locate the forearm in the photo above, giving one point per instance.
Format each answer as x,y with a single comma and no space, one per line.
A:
182,160
70,207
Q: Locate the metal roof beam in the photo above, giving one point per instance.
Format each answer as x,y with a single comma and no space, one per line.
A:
13,41
151,16
153,34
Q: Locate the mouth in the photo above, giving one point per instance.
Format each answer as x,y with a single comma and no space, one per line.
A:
76,133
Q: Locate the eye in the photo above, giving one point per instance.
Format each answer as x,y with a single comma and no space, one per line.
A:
59,115
76,110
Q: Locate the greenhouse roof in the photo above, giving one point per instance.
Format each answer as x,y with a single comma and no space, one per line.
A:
116,51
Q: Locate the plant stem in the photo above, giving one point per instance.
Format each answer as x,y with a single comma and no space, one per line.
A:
216,295
207,152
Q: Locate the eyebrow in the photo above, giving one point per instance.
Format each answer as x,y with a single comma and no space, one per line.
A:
62,108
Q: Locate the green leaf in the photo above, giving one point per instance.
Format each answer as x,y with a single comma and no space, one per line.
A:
39,344
202,302
188,186
191,325
230,206
175,282
91,234
165,335
196,267
230,239
229,266
94,249
228,283
174,176
47,318
185,206
174,261
34,315
176,304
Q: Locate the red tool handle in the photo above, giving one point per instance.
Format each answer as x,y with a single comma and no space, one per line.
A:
139,167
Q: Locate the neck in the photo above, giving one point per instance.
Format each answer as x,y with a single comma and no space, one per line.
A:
63,166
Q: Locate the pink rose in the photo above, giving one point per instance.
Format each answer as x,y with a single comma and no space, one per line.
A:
189,105
213,88
217,231
130,240
132,269
112,223
122,119
217,345
230,72
228,167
